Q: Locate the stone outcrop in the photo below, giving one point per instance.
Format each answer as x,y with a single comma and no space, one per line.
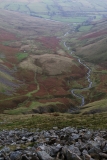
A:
56,144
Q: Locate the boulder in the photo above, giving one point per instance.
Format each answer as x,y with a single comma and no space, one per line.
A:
44,156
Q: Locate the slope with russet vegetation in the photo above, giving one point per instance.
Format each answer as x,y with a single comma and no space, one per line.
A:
91,47
42,69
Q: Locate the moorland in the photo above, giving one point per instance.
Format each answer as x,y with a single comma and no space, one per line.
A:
38,72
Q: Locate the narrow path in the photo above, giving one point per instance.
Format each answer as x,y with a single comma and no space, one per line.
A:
73,91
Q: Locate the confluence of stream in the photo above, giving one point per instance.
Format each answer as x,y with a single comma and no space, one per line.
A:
87,77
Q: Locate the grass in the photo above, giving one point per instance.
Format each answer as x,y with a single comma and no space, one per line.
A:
93,47
4,88
13,7
34,7
70,19
24,9
6,43
21,56
34,91
47,121
34,105
101,104
85,28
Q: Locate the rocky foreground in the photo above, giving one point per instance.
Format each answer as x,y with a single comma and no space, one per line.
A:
65,144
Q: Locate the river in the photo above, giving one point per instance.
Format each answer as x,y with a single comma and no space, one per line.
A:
73,91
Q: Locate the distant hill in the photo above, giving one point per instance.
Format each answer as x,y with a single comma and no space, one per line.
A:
55,9
93,45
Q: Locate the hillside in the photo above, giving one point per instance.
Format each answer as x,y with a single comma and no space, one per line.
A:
94,43
48,67
8,84
64,10
89,43
43,71
32,49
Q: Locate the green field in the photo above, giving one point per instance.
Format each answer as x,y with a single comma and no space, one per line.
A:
85,28
70,19
21,56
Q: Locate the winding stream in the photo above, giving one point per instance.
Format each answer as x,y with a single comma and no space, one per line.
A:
87,77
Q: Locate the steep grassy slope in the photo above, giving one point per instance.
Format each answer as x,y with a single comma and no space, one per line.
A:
95,107
24,25
90,42
8,84
93,46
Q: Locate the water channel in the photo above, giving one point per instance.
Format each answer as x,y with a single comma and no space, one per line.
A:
73,91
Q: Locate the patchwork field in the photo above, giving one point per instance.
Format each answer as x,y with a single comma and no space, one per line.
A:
60,10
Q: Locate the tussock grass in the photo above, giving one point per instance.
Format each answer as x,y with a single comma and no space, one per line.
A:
47,121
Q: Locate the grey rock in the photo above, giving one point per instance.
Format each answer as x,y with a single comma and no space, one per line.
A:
46,134
68,130
105,148
75,150
87,157
44,156
30,139
15,155
103,155
72,156
71,152
24,138
62,144
53,150
42,147
1,158
94,152
75,136
94,144
87,135
24,157
85,152
6,150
